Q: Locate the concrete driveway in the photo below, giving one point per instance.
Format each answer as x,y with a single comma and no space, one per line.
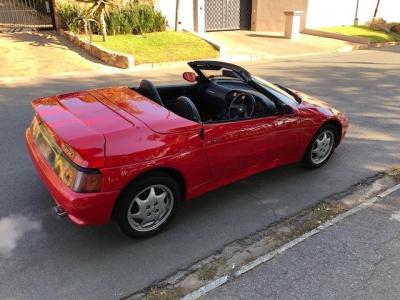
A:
31,54
45,258
252,45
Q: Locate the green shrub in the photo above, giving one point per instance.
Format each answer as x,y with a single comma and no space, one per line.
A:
68,12
136,18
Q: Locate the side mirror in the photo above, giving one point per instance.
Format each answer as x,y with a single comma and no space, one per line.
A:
288,110
190,76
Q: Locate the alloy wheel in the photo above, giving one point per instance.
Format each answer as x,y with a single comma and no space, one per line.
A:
150,208
322,147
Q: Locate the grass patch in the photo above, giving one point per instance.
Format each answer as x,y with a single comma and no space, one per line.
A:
394,172
209,271
364,31
319,214
161,294
159,46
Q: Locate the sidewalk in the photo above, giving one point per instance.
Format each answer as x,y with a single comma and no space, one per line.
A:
254,45
31,54
358,258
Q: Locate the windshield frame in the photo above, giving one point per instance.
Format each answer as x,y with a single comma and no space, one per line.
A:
274,90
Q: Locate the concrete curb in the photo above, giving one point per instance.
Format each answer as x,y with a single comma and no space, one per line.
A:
376,45
337,36
267,257
362,43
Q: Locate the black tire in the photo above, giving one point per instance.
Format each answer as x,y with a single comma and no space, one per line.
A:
307,160
125,203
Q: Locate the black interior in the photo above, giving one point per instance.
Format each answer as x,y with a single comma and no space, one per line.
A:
208,100
148,90
185,108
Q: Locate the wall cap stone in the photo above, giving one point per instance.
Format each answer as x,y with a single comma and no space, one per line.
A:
112,58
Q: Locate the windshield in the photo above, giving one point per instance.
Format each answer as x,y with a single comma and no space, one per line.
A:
274,89
221,73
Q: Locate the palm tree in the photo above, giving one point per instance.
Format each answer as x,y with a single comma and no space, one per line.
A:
376,9
81,21
99,9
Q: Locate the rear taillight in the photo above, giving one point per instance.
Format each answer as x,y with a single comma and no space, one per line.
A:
77,179
62,160
87,182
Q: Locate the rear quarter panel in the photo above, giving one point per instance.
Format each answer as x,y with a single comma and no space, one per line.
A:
130,154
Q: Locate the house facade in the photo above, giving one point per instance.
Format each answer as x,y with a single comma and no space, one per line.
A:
268,15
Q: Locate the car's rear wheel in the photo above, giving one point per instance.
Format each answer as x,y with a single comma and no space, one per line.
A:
147,205
321,147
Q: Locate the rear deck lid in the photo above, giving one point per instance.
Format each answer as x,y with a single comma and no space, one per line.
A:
80,121
131,105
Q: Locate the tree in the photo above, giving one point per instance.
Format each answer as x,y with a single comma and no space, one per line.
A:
99,9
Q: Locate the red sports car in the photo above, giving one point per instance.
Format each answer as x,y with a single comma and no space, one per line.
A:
135,153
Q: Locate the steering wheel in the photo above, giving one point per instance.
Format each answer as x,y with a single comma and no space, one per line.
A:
242,106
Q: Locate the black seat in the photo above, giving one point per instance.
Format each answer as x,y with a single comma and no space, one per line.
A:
185,108
148,90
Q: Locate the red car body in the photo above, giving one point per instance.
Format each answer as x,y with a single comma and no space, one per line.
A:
124,135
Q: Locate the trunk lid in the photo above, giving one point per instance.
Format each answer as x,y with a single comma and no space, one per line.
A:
80,121
133,105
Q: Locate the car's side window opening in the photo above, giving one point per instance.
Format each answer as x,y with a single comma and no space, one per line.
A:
211,106
211,98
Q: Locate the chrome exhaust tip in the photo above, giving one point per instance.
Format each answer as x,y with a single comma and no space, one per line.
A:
59,211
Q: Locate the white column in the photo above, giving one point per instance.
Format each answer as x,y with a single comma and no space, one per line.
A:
292,24
199,16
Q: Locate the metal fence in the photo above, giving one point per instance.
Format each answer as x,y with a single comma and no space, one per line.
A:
227,14
26,14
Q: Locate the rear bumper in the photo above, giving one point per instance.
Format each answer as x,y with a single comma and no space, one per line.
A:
82,208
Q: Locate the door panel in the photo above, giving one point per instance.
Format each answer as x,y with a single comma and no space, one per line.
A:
288,132
235,148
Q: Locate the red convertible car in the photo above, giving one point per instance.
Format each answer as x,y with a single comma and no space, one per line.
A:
135,153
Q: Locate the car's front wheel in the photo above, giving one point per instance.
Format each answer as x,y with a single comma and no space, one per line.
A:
147,205
321,147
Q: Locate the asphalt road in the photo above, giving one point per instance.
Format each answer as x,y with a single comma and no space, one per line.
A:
356,259
45,258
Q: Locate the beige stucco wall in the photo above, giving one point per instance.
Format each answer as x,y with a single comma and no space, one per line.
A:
267,15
